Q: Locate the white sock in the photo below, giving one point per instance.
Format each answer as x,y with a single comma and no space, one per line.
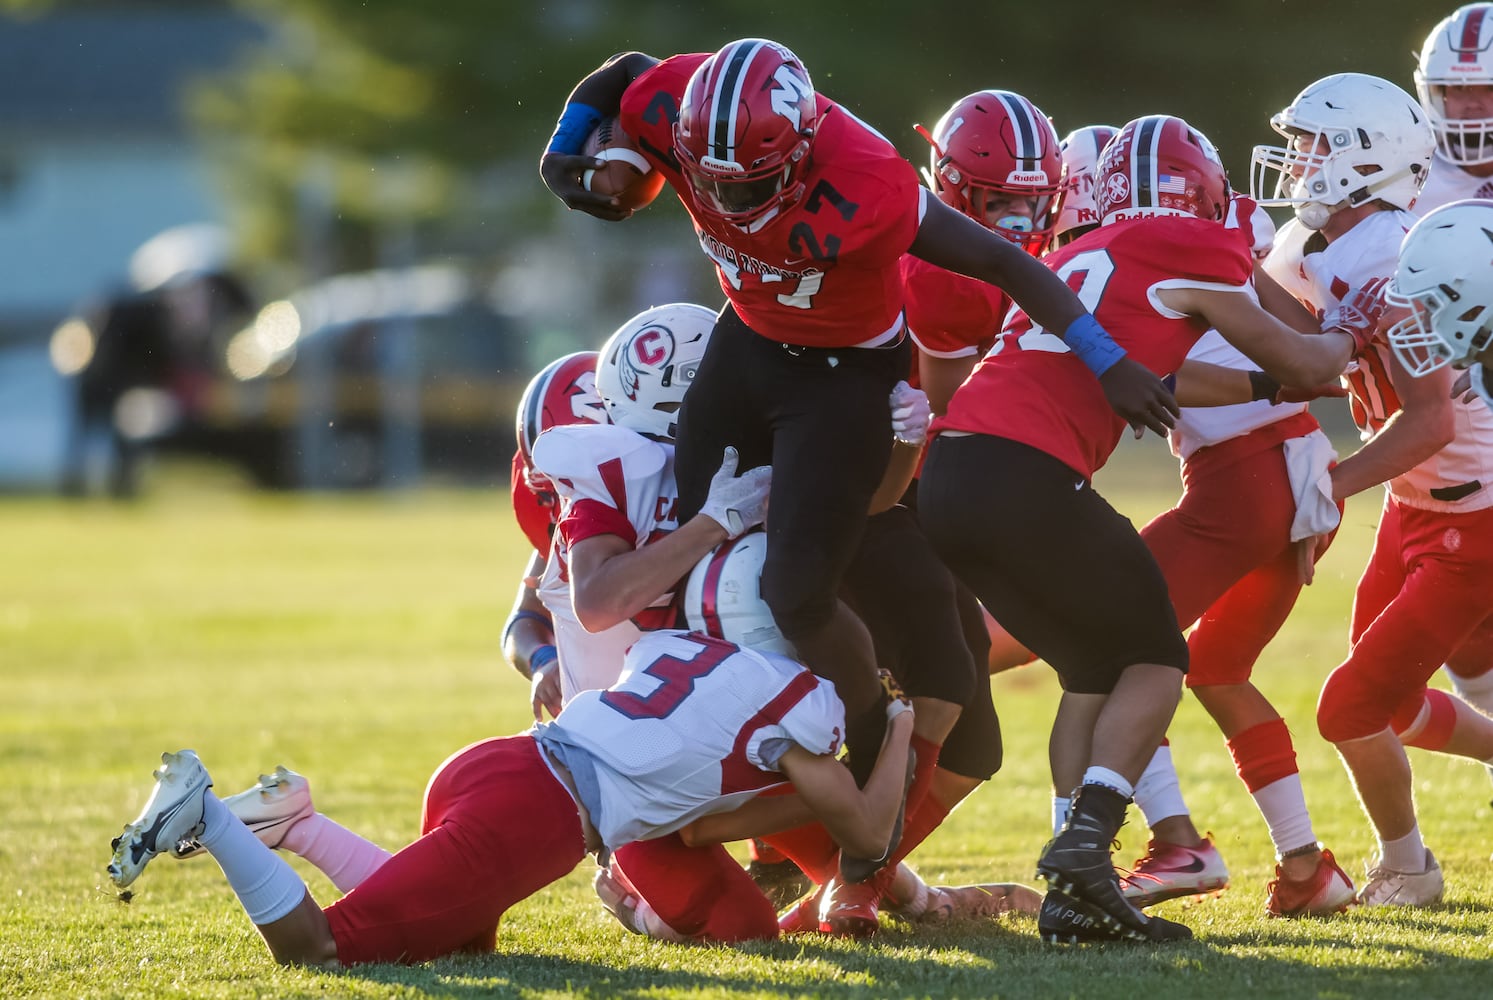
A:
1061,806
1157,793
1476,691
1113,780
1284,807
267,887
1405,854
343,856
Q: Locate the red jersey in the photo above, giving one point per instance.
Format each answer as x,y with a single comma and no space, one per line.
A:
1031,388
535,520
949,315
822,272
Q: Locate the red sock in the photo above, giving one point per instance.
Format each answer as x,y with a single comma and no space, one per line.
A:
922,772
701,892
1263,754
811,848
919,824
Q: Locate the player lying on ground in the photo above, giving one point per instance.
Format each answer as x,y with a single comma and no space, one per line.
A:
695,726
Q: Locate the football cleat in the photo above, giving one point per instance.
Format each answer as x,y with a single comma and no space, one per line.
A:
1329,890
1387,887
624,902
803,916
1077,863
1168,871
850,909
269,809
172,814
1065,920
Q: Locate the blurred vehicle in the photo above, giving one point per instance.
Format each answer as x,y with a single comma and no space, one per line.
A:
365,380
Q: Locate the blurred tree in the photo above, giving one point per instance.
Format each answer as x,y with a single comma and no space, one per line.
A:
435,116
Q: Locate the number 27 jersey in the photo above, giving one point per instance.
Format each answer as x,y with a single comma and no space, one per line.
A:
1031,388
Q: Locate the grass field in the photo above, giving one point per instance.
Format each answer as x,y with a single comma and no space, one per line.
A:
356,640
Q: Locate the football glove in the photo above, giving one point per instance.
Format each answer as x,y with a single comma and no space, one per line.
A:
1358,314
911,414
738,503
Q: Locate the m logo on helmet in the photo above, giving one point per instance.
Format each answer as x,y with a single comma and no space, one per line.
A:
789,94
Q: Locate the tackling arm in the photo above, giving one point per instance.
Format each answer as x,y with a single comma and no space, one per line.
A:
1423,426
610,580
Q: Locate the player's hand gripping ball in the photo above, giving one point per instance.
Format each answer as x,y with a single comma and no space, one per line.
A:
627,174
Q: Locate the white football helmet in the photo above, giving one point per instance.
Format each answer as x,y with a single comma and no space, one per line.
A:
648,364
1076,207
723,597
1354,139
1459,53
1445,279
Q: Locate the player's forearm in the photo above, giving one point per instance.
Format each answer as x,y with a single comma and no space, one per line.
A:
1202,384
631,581
1407,440
899,472
603,87
760,817
1282,304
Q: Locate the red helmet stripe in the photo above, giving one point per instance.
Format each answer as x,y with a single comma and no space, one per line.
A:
709,607
1472,32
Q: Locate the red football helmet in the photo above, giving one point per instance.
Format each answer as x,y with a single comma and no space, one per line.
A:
1160,165
564,392
996,159
745,128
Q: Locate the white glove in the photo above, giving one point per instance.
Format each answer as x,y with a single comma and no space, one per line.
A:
911,414
738,503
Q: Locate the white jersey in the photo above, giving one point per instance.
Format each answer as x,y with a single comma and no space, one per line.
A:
1454,478
693,726
611,481
1448,182
1202,426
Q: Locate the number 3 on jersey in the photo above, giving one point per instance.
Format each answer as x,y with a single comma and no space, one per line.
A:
677,679
1088,274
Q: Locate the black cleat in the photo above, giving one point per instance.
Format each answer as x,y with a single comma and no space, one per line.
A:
1065,920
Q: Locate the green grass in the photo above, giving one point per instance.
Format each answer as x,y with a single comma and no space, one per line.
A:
356,640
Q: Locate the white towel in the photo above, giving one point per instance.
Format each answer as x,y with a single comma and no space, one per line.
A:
1308,460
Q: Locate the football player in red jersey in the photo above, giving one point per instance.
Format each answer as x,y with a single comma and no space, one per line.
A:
1359,149
1055,564
564,392
505,817
805,211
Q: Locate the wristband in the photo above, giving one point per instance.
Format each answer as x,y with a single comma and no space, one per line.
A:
542,657
1093,344
576,122
896,707
1262,386
521,615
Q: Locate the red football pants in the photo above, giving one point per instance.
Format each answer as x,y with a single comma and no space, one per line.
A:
701,892
498,826
1425,592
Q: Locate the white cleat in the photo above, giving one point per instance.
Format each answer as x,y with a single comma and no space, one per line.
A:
626,904
269,809
1387,887
172,814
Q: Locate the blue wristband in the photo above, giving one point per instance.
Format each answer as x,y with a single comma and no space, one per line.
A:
576,122
518,616
1093,344
542,657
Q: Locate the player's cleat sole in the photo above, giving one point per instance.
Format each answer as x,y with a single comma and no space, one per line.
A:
173,813
269,809
1327,891
1170,871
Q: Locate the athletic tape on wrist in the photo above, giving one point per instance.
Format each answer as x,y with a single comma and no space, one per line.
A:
1093,344
576,122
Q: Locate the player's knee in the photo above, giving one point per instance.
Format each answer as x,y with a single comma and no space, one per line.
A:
800,594
1349,709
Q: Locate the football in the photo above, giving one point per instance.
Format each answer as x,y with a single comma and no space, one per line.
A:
627,175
